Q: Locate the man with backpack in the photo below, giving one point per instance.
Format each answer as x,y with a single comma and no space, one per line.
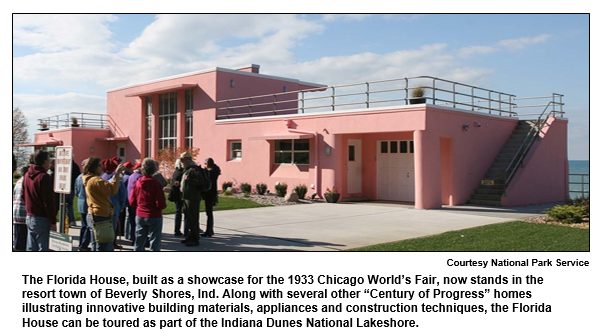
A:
195,180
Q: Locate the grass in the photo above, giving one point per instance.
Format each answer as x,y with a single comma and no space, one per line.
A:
511,236
225,203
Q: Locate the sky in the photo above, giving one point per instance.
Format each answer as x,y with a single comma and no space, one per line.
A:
66,63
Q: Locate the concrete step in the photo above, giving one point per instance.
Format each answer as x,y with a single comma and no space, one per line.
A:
478,202
487,191
486,197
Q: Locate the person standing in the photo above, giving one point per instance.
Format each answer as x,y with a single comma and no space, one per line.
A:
210,197
38,195
98,192
191,196
119,199
149,199
175,196
82,208
75,172
19,214
130,226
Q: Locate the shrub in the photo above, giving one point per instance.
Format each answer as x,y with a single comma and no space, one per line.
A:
582,202
227,192
227,184
301,191
568,214
261,188
17,176
246,188
246,194
281,189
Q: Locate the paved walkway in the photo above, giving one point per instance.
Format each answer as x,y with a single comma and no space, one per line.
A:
332,227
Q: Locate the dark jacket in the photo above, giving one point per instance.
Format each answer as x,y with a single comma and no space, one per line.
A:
214,175
175,193
38,194
191,183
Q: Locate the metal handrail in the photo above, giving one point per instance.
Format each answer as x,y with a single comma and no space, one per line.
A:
518,157
503,102
582,183
84,120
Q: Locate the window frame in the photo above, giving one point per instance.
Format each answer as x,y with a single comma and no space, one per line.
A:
292,151
232,151
167,120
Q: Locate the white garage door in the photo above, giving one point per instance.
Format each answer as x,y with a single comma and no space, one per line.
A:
396,181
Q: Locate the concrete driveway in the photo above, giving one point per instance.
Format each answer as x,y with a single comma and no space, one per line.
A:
333,227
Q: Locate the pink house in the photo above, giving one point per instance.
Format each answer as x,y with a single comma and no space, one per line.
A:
459,144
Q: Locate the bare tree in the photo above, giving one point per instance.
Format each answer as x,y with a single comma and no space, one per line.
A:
20,136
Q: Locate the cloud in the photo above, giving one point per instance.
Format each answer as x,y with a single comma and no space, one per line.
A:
475,50
58,32
522,42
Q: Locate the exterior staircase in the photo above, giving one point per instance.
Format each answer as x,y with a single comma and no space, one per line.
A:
493,184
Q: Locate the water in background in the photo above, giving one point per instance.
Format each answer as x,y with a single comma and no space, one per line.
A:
579,167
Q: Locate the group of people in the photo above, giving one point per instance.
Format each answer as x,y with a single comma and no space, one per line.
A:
132,197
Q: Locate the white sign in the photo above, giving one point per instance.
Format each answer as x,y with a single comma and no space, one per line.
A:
63,157
60,242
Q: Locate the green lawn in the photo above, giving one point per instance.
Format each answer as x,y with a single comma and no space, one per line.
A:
225,203
512,236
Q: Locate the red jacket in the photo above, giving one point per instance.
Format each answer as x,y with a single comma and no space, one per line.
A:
149,198
38,193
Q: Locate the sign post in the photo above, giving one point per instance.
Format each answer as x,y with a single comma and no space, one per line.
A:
62,185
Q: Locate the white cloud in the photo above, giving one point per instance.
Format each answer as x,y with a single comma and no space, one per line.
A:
475,50
51,33
523,42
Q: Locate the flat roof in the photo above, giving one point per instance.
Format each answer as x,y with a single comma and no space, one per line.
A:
246,73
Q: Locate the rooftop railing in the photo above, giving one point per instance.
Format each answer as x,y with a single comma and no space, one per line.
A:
79,119
383,93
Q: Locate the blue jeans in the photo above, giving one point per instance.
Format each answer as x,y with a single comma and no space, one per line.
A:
179,213
71,215
85,232
144,226
38,233
103,247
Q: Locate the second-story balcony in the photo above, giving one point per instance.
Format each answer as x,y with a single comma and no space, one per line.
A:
80,120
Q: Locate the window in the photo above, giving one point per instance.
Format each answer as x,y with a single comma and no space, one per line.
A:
384,147
351,153
292,152
403,146
148,127
189,119
236,150
393,146
167,120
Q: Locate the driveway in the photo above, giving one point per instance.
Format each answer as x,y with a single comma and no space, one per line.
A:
333,227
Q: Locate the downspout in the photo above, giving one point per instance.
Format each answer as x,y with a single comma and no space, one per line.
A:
317,167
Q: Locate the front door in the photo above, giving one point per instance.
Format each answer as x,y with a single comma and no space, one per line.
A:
121,151
395,176
354,166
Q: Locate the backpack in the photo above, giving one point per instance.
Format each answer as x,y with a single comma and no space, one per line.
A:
202,177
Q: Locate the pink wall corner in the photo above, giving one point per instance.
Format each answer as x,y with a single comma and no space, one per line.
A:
473,151
544,177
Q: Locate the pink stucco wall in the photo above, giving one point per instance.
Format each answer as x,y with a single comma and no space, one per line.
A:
82,139
544,177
